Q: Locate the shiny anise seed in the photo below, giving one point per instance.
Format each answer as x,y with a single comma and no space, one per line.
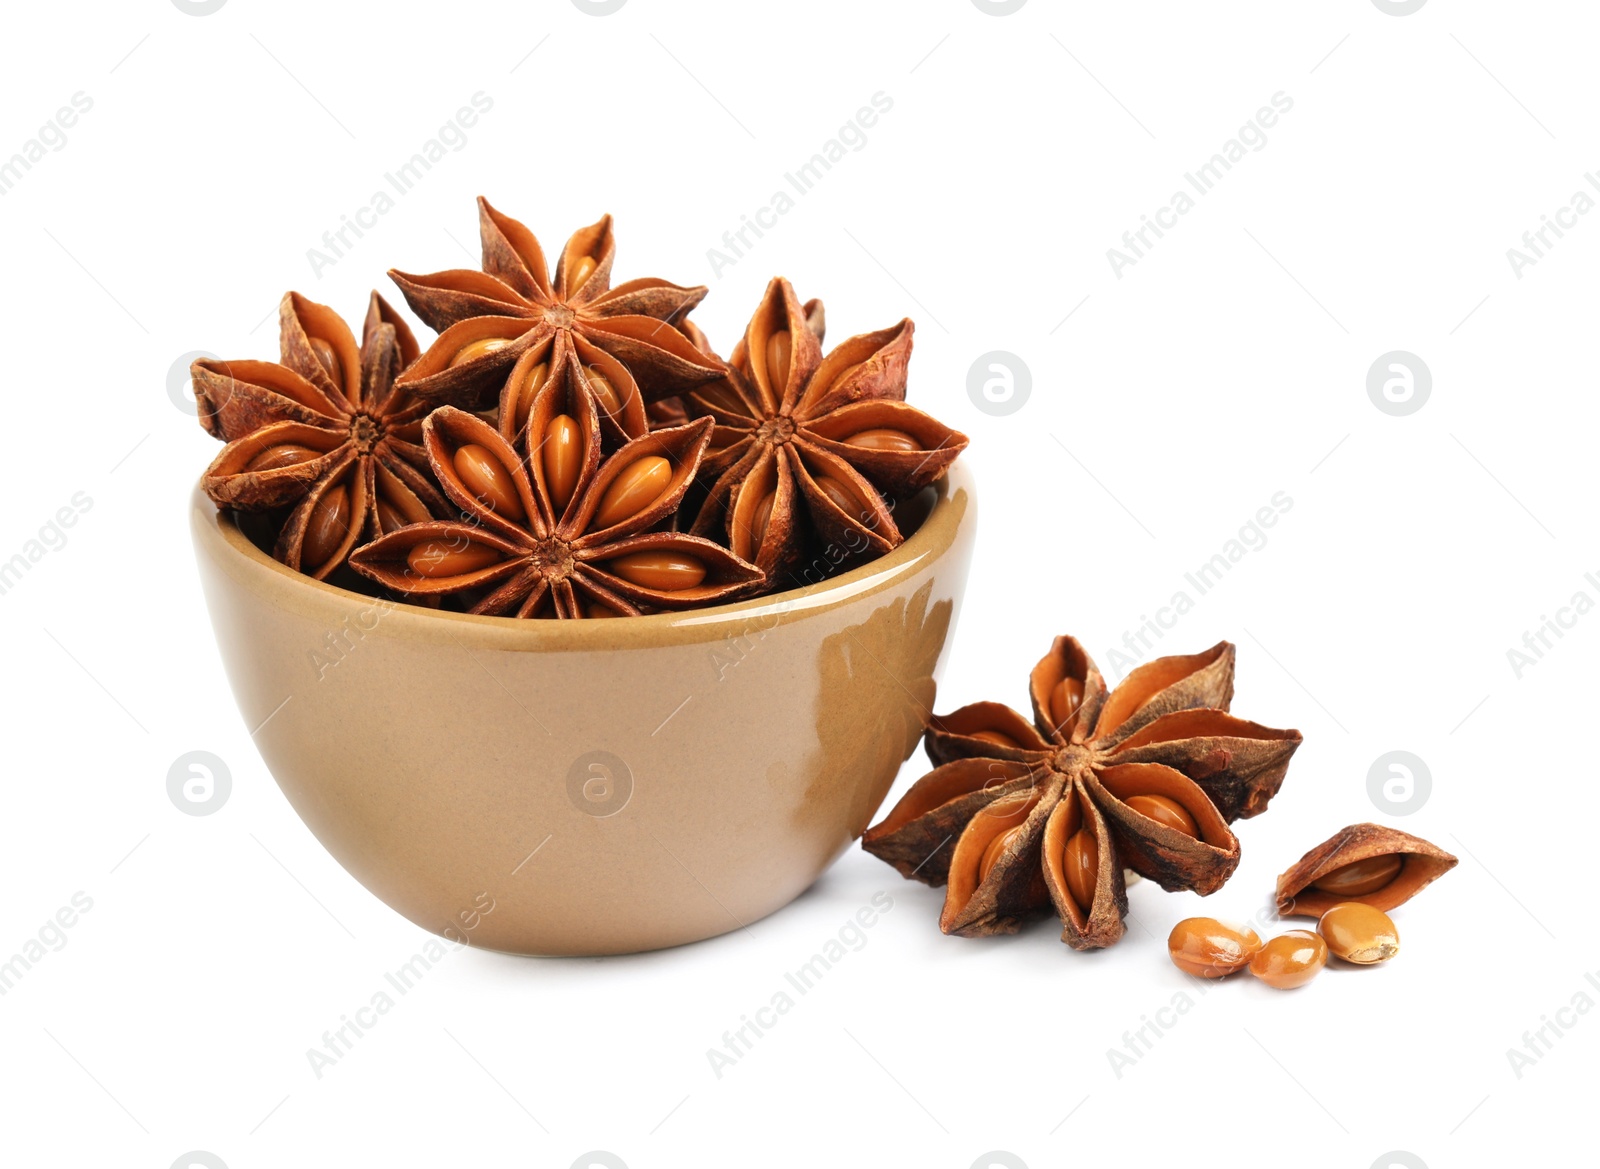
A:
1208,948
1361,877
562,457
992,853
761,518
473,350
1164,810
1289,960
483,475
390,518
582,269
665,572
1359,933
274,458
328,526
840,495
1081,867
639,485
443,558
780,348
328,357
998,738
883,438
1064,702
532,383
605,393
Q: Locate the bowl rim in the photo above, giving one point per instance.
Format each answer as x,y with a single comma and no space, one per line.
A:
216,535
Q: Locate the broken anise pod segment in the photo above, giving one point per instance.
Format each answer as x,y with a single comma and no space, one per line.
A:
1208,948
1379,866
1359,933
1290,960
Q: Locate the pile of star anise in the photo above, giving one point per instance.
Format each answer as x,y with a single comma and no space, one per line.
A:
566,448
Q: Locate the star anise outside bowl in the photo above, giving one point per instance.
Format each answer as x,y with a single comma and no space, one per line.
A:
609,786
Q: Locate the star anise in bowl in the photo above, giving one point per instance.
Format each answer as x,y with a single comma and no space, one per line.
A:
324,433
562,533
1020,816
812,452
508,329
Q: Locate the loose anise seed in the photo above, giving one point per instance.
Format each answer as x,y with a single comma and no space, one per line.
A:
1166,811
287,454
998,738
666,572
1081,864
603,390
581,271
992,853
438,558
562,454
1064,702
883,439
641,483
1361,877
328,357
780,347
475,349
1208,948
327,527
483,475
1359,933
1289,960
532,383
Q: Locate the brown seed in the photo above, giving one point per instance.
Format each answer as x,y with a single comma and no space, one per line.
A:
1081,865
595,611
1289,960
328,357
532,383
1361,877
720,397
475,349
761,518
484,475
779,350
327,528
562,455
1208,948
438,558
883,439
836,491
582,269
286,454
992,853
667,572
641,483
1064,702
604,391
389,517
998,738
1359,933
1166,811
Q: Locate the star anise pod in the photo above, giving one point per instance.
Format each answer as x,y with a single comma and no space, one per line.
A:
806,446
506,330
326,432
564,533
673,411
1148,777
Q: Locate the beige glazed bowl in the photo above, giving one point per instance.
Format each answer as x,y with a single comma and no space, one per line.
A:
603,786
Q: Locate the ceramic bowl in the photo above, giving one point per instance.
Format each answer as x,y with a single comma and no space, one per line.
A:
588,787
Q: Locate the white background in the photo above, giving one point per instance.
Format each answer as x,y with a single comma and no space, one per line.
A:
1167,406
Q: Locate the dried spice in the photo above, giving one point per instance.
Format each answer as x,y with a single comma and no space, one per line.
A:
1360,934
564,533
506,330
1208,948
1290,960
807,447
1378,866
1019,816
325,433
